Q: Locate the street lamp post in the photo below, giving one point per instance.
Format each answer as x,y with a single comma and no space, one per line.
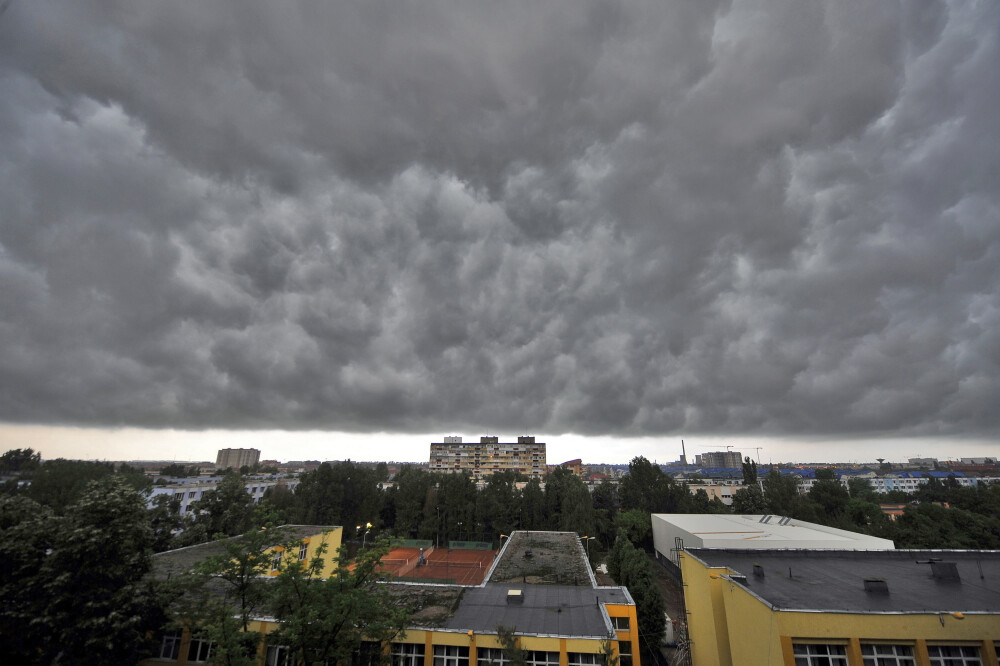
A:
364,537
587,539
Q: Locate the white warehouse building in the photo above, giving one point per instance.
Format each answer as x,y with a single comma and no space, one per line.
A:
672,531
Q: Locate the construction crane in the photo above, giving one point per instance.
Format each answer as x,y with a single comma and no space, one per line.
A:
757,449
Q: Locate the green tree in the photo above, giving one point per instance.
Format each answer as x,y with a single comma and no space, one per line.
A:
413,487
76,591
19,460
227,509
608,650
830,495
457,500
781,493
59,483
533,506
227,590
700,503
749,471
514,653
326,620
749,500
344,493
498,505
568,504
173,469
632,568
165,519
860,489
606,507
637,527
646,487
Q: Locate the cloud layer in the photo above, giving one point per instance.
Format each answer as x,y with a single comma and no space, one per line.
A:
598,217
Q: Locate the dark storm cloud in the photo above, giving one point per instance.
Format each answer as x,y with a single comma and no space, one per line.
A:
628,218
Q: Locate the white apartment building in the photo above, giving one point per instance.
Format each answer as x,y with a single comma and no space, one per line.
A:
908,483
191,491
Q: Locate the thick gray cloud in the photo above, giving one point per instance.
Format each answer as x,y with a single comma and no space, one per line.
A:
600,217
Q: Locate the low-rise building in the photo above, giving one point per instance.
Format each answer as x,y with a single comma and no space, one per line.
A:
722,492
192,490
841,608
675,531
540,585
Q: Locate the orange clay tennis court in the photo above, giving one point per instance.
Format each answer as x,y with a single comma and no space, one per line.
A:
463,567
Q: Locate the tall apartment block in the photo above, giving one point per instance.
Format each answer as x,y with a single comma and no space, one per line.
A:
488,456
719,459
236,458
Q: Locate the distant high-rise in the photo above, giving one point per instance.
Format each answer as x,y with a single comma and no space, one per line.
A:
719,459
488,456
236,458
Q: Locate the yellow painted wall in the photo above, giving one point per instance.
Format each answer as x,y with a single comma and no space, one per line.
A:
332,538
751,630
756,636
632,635
700,610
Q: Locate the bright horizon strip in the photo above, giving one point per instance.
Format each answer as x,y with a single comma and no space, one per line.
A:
197,446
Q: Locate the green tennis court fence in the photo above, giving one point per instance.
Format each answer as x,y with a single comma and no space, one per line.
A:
470,545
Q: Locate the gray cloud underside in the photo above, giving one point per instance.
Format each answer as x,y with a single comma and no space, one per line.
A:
600,217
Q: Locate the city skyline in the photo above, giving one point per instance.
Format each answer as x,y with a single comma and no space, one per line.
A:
182,446
611,224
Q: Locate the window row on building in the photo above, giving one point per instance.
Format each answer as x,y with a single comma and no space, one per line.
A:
199,650
894,653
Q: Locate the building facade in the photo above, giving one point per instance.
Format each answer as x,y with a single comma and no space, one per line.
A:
719,459
488,456
236,458
842,608
675,531
562,618
189,492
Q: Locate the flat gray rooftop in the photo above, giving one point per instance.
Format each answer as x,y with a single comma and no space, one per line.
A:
182,560
555,610
834,580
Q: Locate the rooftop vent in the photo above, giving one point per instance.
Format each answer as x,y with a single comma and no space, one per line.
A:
738,578
945,570
876,586
515,597
758,570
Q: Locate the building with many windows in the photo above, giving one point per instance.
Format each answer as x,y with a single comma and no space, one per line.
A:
718,459
236,458
189,491
842,608
540,585
488,456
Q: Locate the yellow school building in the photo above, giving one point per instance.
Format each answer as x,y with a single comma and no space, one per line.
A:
540,585
841,608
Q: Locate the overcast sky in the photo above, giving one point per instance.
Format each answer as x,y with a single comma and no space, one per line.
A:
582,219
